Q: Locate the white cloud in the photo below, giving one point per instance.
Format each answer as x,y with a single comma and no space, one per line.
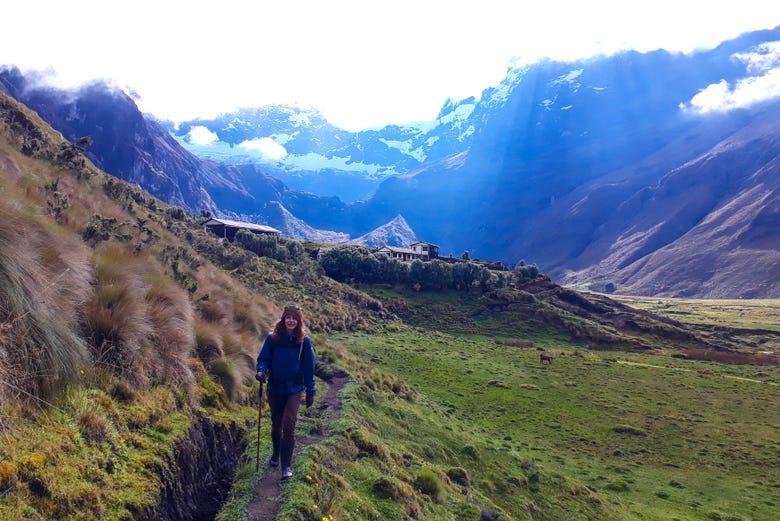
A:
764,85
200,135
267,147
765,58
361,64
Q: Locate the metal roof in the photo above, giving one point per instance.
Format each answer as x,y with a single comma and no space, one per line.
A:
396,249
238,224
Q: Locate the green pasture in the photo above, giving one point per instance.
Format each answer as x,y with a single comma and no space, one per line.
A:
593,435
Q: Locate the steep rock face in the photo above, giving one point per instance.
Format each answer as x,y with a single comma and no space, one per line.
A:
395,233
706,229
276,215
198,478
593,169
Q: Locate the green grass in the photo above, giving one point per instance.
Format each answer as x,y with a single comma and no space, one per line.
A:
649,437
737,313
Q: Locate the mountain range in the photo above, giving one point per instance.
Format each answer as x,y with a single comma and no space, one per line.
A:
604,172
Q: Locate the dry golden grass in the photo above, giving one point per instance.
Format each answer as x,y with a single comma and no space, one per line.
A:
116,321
208,340
737,313
42,283
173,338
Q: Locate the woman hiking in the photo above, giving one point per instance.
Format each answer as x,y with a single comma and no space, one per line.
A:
286,362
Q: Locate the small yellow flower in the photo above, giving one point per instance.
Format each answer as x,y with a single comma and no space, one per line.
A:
315,507
82,371
37,460
308,477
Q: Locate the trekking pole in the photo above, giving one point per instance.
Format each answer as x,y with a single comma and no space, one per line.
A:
259,418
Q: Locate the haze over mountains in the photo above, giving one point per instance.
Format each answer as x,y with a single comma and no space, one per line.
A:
600,171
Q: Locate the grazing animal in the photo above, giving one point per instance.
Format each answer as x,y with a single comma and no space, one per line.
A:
545,358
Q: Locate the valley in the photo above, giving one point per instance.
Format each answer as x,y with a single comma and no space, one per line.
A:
128,333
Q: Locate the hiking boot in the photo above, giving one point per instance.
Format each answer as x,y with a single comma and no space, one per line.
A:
286,473
274,461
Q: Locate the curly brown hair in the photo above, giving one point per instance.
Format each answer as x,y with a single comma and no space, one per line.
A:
280,329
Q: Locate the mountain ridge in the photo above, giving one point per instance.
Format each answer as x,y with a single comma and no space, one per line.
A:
549,166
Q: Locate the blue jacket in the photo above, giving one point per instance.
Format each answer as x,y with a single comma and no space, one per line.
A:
289,365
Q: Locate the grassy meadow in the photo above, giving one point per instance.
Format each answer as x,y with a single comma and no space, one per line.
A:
750,319
455,417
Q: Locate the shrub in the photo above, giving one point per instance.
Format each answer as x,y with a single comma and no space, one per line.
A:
459,475
428,483
8,473
121,392
617,486
115,318
92,426
470,451
531,470
388,488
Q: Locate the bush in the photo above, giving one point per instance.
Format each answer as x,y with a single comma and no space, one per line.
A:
428,483
8,474
115,319
470,451
459,475
394,490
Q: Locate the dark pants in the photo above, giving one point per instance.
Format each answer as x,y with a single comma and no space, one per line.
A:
284,416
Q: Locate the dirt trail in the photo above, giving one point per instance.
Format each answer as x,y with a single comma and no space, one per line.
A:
270,489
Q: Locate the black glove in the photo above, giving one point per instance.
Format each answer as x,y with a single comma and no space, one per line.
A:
309,399
260,376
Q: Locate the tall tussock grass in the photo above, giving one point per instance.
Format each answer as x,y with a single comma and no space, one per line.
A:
139,322
115,319
173,337
44,278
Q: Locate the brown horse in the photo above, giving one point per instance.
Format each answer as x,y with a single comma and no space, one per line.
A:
545,358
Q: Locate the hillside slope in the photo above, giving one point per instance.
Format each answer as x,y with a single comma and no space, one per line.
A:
127,338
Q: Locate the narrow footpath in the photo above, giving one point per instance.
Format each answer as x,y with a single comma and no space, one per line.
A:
269,490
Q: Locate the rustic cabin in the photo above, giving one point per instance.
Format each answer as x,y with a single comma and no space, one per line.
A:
403,254
227,229
425,250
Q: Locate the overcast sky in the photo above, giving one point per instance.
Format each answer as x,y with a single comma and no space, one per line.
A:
362,63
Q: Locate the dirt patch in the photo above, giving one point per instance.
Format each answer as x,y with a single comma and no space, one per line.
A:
269,490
